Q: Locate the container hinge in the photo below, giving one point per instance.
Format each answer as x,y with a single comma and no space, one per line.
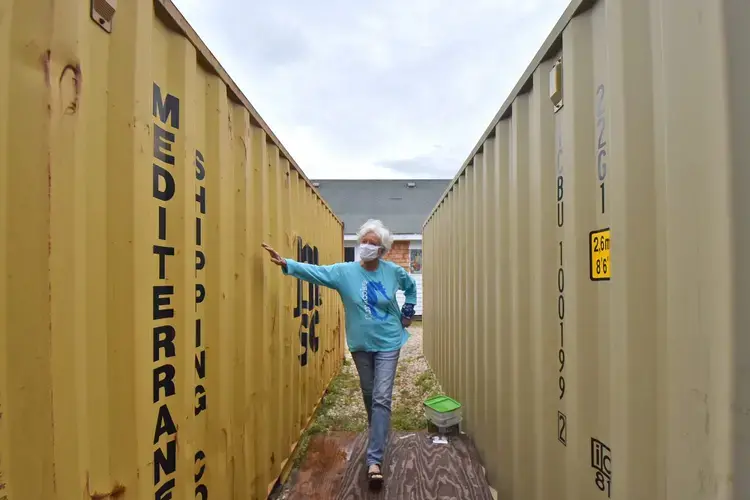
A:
103,12
556,85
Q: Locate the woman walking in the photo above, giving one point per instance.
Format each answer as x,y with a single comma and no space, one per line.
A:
375,328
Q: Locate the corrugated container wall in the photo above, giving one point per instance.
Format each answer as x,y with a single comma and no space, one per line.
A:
586,275
148,348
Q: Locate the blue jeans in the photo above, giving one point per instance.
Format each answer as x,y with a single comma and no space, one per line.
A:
377,371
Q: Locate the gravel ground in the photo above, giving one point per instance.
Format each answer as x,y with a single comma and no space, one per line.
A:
414,383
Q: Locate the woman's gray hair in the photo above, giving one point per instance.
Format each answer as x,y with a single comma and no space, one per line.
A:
377,227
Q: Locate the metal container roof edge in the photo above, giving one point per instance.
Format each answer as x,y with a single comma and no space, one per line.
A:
549,48
168,12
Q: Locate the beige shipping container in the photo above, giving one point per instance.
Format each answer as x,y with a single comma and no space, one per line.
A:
148,347
586,273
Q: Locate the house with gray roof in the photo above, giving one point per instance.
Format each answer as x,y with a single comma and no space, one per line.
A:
401,204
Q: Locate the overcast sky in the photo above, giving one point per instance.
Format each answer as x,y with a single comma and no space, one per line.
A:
375,89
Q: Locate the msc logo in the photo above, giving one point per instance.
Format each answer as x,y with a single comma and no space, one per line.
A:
307,304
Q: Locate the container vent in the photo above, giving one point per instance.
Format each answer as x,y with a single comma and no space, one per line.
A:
555,85
103,12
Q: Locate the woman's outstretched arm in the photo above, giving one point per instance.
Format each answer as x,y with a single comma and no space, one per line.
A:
328,276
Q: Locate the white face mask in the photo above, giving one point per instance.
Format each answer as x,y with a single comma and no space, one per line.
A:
368,252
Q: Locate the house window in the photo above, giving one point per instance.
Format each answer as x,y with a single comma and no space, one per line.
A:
349,254
415,261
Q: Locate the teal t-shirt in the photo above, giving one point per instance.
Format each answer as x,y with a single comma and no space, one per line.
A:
373,318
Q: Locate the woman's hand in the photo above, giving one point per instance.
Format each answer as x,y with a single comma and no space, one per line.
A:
407,313
275,257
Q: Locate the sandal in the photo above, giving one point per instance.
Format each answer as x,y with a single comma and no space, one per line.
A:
375,478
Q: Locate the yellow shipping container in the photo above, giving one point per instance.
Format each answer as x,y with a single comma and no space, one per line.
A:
148,348
585,283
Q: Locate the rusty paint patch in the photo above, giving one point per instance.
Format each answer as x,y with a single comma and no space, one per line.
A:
73,70
45,60
117,491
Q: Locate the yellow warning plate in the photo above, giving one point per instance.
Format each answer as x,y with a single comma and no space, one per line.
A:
599,245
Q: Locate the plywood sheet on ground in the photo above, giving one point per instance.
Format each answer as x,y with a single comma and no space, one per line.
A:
415,469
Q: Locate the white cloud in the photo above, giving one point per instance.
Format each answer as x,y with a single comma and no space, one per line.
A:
375,89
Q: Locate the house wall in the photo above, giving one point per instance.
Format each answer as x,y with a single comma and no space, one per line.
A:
399,254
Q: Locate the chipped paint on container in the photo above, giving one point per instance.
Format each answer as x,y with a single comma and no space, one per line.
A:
585,272
149,348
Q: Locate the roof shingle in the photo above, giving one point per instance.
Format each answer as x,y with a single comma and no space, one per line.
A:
403,209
